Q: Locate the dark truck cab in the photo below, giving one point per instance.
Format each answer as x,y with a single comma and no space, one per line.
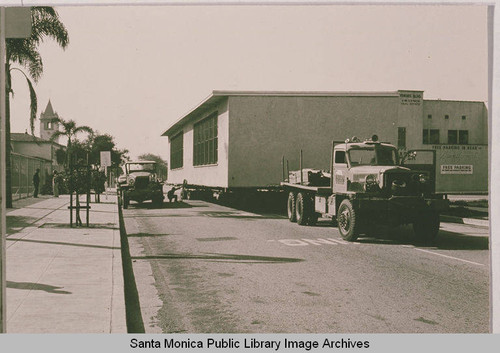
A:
141,183
369,184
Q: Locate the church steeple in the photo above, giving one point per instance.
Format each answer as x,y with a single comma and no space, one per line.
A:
48,125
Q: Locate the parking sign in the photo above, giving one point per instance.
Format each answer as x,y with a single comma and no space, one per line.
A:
105,158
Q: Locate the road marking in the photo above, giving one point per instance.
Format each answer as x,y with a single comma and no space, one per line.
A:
319,241
449,257
293,242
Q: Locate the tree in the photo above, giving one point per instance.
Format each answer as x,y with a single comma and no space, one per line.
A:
70,130
45,23
162,164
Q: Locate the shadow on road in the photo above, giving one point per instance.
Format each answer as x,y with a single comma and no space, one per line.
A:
144,235
164,205
220,257
445,240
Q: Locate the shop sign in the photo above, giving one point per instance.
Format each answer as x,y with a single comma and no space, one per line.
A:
456,169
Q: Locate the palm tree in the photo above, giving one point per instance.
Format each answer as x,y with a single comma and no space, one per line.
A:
69,130
45,23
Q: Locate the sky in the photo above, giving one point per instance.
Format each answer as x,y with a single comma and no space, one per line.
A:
132,71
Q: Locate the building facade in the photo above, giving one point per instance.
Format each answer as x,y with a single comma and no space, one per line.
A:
238,139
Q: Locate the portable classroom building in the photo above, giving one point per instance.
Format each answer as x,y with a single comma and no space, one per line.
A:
238,139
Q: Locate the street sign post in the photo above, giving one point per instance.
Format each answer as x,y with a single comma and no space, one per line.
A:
106,162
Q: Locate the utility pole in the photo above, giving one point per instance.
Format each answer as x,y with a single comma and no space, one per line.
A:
15,22
3,302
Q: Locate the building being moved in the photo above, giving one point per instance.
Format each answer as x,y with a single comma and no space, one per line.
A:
239,139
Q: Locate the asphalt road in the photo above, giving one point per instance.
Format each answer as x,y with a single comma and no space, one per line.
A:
206,268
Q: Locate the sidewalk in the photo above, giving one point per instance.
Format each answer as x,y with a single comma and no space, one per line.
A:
62,279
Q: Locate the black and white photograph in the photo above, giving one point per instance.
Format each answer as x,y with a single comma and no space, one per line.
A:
246,168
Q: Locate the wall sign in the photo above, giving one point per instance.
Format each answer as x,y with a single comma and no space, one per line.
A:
456,169
410,98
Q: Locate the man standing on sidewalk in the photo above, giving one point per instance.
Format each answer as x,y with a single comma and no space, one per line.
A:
36,182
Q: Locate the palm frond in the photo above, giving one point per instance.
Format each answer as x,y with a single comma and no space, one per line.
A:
33,100
33,105
46,23
83,129
56,134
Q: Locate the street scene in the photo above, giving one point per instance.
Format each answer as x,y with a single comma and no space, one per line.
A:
249,169
212,268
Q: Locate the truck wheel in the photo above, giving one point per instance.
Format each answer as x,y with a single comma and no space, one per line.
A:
426,227
302,209
126,201
291,207
347,221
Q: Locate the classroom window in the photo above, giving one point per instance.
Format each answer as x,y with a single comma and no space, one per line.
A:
176,151
429,116
446,117
205,148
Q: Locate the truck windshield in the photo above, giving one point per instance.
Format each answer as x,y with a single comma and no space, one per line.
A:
140,167
376,155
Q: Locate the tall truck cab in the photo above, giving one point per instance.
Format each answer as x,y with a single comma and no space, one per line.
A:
370,183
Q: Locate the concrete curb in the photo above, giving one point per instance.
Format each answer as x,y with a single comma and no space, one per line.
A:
469,221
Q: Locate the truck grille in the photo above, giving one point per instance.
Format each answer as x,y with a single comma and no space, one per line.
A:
141,182
400,184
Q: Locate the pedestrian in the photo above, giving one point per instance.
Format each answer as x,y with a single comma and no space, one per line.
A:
170,194
55,184
36,182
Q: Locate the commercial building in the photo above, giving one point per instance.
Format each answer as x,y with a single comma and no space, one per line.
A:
238,139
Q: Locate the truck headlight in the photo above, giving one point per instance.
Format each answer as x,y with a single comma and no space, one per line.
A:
131,180
423,178
371,182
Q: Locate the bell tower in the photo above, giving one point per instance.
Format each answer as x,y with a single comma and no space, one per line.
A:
48,124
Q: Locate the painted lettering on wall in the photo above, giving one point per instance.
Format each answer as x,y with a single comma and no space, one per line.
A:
410,98
457,147
457,169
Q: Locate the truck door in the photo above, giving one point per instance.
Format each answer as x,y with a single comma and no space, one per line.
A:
339,172
423,161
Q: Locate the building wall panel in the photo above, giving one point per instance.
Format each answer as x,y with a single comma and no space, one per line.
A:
263,129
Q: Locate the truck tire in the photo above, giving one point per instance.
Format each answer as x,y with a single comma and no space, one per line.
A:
426,227
290,207
302,209
348,223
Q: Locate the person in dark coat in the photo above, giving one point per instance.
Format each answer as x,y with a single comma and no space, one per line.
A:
36,182
170,194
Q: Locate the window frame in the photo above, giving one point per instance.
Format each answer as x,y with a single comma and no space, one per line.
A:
427,135
206,141
177,151
455,140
